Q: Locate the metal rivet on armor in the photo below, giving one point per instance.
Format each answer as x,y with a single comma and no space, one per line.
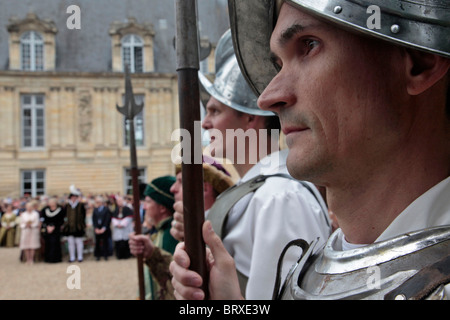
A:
400,297
337,9
395,28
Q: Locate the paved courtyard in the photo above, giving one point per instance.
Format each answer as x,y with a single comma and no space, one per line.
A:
98,280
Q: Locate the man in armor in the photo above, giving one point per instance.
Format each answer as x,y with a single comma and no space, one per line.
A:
267,208
365,106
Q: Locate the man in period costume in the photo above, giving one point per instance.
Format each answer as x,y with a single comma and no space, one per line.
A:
101,220
366,113
75,225
216,180
157,248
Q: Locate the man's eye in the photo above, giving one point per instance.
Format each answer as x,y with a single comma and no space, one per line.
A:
275,63
311,44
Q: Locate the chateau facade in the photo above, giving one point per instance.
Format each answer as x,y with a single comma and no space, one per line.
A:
59,88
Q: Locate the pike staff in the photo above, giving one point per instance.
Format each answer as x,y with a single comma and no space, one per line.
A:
130,110
187,51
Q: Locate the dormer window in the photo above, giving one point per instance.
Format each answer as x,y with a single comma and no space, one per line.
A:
31,43
32,51
132,44
132,53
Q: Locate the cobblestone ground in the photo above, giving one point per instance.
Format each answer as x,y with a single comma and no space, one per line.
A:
99,280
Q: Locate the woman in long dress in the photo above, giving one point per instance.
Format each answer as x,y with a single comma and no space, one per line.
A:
8,229
30,232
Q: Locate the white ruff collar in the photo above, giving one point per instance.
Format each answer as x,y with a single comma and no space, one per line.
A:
50,213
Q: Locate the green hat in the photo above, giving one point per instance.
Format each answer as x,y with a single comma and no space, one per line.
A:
159,190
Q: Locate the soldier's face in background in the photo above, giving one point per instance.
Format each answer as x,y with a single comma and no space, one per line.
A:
338,95
219,117
154,212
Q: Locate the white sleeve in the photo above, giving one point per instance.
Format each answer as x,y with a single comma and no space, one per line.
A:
283,211
115,222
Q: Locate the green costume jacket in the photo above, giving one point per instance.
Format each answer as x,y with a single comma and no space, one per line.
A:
158,284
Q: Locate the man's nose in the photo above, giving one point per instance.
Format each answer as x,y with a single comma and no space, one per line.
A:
206,123
279,93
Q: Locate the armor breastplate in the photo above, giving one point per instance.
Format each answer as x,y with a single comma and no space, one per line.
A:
411,266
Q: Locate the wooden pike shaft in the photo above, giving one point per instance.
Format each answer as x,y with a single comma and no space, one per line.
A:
136,207
130,110
187,46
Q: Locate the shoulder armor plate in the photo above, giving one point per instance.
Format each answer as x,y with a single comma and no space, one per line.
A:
415,265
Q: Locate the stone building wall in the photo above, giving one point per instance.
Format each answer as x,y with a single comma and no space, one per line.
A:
84,133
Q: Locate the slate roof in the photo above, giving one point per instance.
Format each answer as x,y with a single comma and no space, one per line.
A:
89,49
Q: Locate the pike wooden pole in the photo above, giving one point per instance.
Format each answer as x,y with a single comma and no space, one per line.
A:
130,110
187,47
136,207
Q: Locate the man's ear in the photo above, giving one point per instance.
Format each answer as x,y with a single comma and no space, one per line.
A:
424,70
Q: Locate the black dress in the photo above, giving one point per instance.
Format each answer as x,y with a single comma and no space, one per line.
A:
52,249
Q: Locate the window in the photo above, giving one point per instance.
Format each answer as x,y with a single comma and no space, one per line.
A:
138,124
132,44
31,43
132,53
33,182
128,179
32,51
33,126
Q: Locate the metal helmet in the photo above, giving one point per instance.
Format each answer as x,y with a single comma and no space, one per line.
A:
419,24
230,86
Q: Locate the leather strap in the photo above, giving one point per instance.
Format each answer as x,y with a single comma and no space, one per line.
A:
424,282
218,213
